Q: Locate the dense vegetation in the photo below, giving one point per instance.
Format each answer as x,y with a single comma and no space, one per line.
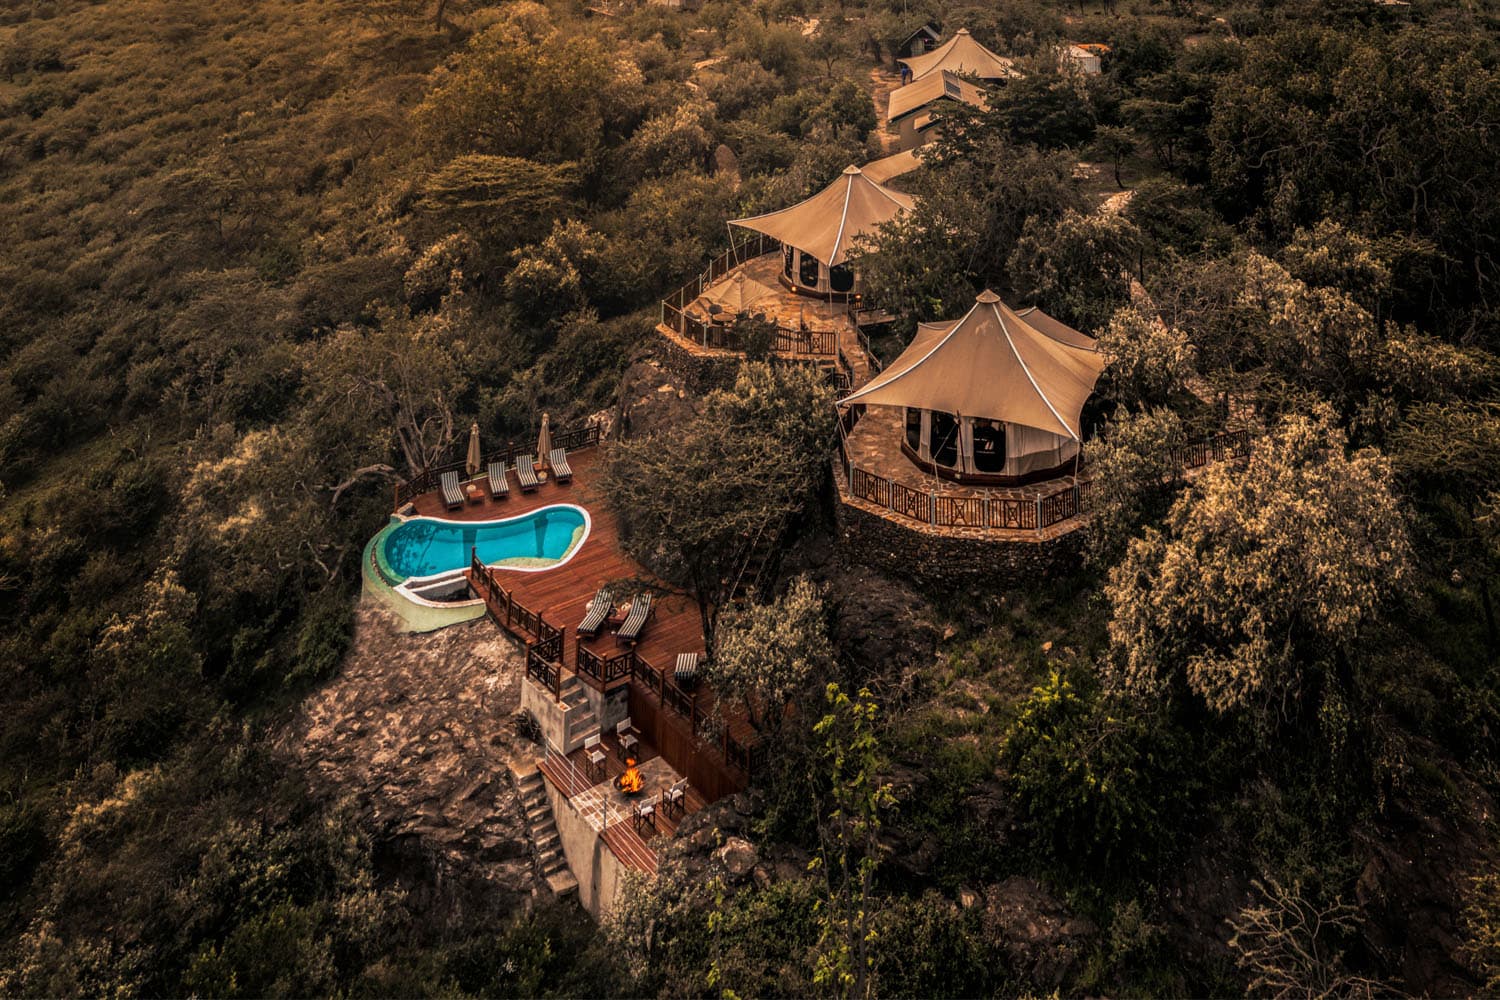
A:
260,258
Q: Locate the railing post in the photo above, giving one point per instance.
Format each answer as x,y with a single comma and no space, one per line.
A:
1038,502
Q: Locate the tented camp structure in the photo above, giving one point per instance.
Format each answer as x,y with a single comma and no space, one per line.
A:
911,107
992,398
816,234
963,55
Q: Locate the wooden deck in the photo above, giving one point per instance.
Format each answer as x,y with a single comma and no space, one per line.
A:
562,595
586,790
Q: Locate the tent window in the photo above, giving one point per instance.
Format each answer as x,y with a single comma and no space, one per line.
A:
944,439
808,274
786,261
914,428
989,446
841,278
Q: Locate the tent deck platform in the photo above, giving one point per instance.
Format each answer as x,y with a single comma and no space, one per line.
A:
888,485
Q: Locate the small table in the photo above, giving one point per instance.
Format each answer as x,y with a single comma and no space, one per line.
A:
473,492
541,475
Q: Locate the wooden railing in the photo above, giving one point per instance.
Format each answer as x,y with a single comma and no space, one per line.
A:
570,439
544,641
1037,513
787,340
603,669
674,699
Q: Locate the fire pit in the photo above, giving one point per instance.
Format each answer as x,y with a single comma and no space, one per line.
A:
630,781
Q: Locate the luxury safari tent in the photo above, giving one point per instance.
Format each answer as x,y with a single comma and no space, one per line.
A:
816,234
992,398
911,108
964,56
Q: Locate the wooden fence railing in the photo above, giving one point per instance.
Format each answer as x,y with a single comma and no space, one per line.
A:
674,699
1014,513
603,669
569,438
787,340
544,641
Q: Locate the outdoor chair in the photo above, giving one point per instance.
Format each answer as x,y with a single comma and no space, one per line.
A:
453,497
594,748
645,814
559,462
526,473
686,671
635,622
597,613
675,799
625,733
499,481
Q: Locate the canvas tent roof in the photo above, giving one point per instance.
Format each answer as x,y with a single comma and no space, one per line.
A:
961,54
995,365
826,224
932,87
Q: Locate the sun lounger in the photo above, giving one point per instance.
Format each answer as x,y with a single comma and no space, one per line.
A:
499,481
635,622
526,473
598,611
559,462
686,671
453,497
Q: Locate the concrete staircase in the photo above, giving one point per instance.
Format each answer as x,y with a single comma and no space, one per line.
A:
579,720
541,827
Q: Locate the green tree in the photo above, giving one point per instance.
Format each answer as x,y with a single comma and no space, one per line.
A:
850,849
767,653
1266,574
694,499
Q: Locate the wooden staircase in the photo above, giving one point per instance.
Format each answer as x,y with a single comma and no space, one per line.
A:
541,828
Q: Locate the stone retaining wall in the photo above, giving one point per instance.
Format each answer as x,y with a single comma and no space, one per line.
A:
941,562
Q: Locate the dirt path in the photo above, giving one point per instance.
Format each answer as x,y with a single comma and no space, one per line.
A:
417,730
882,82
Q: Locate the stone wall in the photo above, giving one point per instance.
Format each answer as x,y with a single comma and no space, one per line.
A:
698,374
941,562
593,864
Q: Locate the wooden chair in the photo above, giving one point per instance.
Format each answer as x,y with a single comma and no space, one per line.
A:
626,734
644,814
675,799
526,473
594,748
499,481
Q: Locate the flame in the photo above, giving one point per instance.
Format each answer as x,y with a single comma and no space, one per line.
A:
630,782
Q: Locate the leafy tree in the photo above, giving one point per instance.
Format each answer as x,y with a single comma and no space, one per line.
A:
767,653
850,852
1114,144
1266,574
1147,362
502,199
1100,785
1078,266
694,499
1135,467
1046,109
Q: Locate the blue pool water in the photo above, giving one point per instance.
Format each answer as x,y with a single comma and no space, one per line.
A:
424,547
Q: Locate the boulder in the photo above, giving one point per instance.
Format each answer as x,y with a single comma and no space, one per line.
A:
738,857
1045,941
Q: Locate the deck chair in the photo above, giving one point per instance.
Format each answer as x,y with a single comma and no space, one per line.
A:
526,473
559,462
625,732
594,748
453,497
675,799
644,814
686,671
598,611
499,481
635,622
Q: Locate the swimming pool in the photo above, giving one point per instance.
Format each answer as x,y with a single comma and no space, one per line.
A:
425,547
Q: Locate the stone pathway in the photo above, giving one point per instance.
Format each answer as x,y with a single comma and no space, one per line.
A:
417,730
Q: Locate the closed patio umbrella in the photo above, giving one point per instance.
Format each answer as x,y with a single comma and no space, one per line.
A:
544,439
473,461
738,294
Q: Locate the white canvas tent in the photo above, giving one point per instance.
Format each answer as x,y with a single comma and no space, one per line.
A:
996,395
964,55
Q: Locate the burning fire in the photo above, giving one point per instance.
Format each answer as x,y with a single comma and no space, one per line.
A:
630,781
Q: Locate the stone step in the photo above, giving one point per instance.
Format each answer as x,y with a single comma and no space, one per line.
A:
562,883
